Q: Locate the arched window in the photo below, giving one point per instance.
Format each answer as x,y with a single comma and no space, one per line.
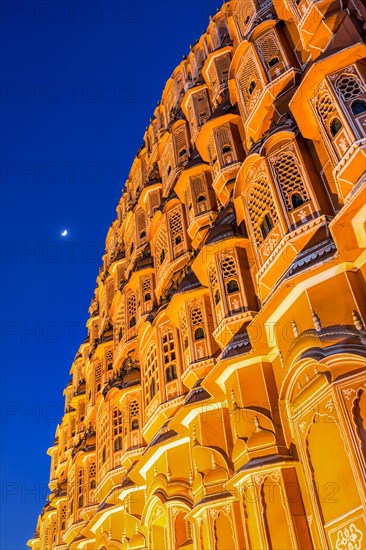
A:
152,388
199,333
117,428
109,359
81,488
118,443
260,200
335,126
169,356
162,256
63,517
296,200
266,225
151,379
290,177
160,249
217,297
176,229
201,198
358,106
103,440
147,296
98,374
171,373
135,424
232,286
251,87
273,61
131,309
226,149
328,113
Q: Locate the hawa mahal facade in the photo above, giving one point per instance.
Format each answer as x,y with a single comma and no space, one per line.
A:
219,400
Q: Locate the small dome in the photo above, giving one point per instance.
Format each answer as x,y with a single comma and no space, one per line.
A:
215,476
261,438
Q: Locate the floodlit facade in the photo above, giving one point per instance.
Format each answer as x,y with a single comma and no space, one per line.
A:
219,401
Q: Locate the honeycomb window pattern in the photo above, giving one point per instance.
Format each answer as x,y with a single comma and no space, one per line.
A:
54,529
161,249
80,497
224,142
176,228
141,226
197,323
63,517
131,309
269,48
134,413
168,160
70,491
180,139
228,267
46,538
188,203
202,108
92,472
213,277
245,10
120,324
109,359
348,87
261,201
248,74
151,374
214,284
146,289
103,441
196,316
183,329
222,64
326,110
98,375
154,201
290,178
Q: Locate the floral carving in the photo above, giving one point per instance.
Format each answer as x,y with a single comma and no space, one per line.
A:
348,392
350,538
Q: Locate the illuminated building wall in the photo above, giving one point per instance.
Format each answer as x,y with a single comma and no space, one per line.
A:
219,400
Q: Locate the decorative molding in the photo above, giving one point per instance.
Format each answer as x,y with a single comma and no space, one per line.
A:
349,538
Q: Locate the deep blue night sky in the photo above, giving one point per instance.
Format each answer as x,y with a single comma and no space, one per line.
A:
80,81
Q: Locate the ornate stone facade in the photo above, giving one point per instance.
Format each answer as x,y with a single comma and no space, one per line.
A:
219,400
